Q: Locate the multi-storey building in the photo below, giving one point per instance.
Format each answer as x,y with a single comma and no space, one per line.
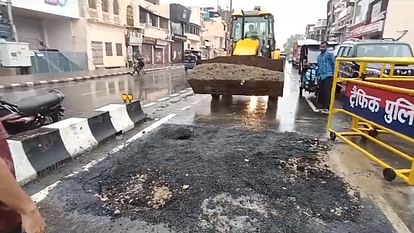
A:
156,43
331,19
309,31
50,29
214,30
193,30
340,19
369,19
179,17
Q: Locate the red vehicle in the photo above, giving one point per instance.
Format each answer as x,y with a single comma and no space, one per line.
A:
296,53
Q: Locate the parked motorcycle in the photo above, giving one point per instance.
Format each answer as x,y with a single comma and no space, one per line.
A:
32,112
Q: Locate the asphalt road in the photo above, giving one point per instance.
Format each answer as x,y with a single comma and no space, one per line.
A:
70,196
86,96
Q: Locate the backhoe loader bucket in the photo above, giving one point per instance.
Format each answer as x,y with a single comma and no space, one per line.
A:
255,87
256,61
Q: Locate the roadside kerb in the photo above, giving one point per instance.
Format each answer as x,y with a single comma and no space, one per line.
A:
80,78
44,148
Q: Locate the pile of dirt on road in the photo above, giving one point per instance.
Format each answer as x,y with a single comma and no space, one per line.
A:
202,179
224,71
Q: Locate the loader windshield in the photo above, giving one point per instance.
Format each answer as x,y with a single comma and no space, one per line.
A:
260,27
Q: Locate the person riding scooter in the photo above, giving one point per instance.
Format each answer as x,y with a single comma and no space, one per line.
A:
138,66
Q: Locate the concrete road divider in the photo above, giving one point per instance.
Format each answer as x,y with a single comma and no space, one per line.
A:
135,111
42,147
35,151
100,124
76,135
119,117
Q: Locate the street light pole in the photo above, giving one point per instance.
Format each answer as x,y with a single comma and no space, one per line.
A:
231,6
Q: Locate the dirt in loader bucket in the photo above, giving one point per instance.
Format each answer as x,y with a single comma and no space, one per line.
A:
239,75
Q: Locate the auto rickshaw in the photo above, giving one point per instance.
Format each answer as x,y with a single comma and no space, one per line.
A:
191,59
308,65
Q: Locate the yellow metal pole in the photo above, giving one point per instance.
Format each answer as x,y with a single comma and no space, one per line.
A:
383,87
402,136
382,70
333,96
411,175
386,146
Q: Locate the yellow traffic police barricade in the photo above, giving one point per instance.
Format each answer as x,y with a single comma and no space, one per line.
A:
379,99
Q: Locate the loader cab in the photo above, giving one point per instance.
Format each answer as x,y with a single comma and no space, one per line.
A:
252,33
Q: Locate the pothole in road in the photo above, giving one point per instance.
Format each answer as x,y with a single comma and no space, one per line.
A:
146,190
226,180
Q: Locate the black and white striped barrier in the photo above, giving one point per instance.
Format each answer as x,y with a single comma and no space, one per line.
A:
40,149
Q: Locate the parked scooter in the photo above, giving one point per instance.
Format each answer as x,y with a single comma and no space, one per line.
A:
32,112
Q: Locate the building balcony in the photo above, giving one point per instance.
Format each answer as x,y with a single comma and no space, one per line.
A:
93,13
106,18
117,20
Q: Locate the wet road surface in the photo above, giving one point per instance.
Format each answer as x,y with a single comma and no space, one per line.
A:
292,114
86,96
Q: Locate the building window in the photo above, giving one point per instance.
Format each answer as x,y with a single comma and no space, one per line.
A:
130,16
115,7
143,15
192,29
92,4
105,6
154,20
119,49
97,52
108,49
177,28
163,23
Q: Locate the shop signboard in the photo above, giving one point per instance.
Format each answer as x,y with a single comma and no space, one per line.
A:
392,110
67,8
368,29
135,38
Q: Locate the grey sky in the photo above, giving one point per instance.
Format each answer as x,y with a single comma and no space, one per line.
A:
291,15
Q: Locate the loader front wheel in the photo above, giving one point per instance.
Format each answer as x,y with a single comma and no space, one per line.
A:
215,96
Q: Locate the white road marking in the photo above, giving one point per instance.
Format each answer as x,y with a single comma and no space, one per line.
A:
163,99
311,105
15,85
198,101
183,91
55,81
149,105
1,87
29,84
174,95
393,217
93,92
42,194
43,82
185,108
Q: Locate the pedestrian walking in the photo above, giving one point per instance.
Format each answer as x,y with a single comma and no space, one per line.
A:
326,69
18,213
